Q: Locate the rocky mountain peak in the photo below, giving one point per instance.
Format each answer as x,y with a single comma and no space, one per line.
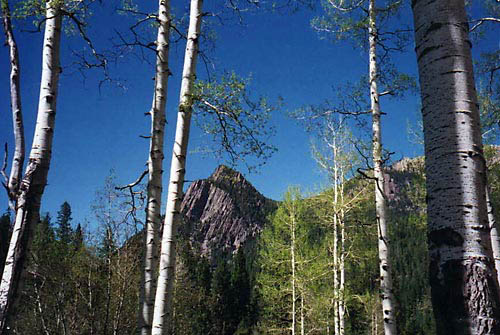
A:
224,172
223,212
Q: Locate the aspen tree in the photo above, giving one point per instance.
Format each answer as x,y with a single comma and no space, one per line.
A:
355,26
13,181
281,280
336,157
386,288
465,292
164,291
155,171
35,178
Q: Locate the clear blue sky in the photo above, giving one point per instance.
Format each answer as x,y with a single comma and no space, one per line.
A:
98,131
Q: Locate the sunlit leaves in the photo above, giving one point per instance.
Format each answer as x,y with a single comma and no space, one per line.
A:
237,122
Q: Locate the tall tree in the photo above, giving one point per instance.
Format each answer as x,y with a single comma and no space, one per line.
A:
358,19
64,230
386,288
465,292
155,171
12,183
337,157
278,278
35,177
164,291
488,82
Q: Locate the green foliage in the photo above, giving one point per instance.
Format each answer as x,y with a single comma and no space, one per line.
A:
348,21
293,257
212,300
74,284
411,288
237,123
314,245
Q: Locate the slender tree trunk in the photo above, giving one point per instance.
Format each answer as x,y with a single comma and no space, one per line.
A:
386,290
464,287
294,280
109,251
35,178
155,167
302,318
164,291
15,101
335,239
494,234
342,259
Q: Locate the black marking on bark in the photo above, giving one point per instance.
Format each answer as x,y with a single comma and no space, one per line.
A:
432,27
454,71
427,50
446,236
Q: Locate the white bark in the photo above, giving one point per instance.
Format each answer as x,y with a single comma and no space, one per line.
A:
155,169
336,284
17,117
461,260
292,264
386,288
339,158
342,259
35,178
302,317
494,234
164,291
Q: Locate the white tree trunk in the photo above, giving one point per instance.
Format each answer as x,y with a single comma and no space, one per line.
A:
342,259
463,283
336,206
494,234
15,101
164,291
35,178
386,288
292,261
302,317
155,169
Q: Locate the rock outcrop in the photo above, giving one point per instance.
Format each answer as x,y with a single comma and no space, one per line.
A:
223,213
404,185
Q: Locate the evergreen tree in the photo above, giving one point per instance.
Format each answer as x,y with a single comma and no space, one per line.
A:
64,230
240,292
221,300
78,237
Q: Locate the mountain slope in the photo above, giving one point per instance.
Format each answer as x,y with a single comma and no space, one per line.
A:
223,212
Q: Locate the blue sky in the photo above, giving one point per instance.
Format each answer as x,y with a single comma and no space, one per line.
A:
97,131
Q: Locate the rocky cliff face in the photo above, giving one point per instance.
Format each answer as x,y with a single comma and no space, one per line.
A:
404,185
223,212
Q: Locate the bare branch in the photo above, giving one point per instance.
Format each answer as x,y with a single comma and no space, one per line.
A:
479,22
135,183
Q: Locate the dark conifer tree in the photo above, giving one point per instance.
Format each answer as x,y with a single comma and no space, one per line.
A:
78,237
64,231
